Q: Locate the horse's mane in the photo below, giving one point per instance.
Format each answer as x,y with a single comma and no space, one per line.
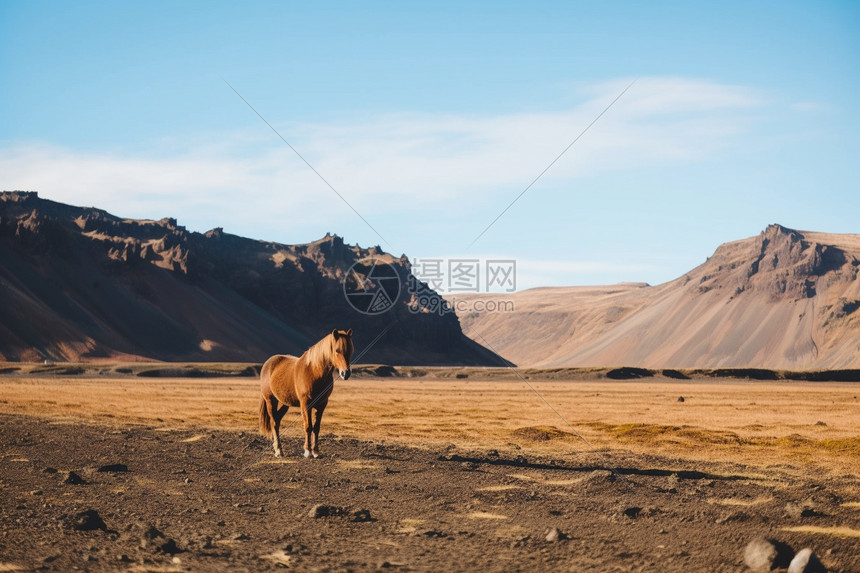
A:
318,356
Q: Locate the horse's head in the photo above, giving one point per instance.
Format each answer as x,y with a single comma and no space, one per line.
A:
342,348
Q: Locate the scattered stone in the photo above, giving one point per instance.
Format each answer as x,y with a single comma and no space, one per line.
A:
88,520
800,561
362,515
240,537
50,470
156,540
806,562
123,558
632,512
681,399
113,468
797,511
819,423
760,555
36,492
151,533
74,479
319,510
169,546
555,535
766,554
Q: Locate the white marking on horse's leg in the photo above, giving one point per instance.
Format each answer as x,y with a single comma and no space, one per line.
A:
276,444
315,454
307,453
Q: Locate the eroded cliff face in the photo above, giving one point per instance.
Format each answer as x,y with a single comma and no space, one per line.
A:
781,263
80,283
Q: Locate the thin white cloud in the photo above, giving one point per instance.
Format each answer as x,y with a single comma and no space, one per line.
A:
527,272
397,162
808,106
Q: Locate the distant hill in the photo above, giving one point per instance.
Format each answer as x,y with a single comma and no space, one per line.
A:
785,299
81,284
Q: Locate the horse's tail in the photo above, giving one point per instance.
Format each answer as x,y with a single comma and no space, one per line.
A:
265,419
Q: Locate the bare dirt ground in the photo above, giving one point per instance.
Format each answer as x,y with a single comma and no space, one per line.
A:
168,474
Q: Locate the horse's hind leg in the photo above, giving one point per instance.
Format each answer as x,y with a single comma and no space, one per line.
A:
277,411
316,429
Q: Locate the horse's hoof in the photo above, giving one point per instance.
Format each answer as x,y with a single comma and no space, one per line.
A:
278,453
307,453
316,454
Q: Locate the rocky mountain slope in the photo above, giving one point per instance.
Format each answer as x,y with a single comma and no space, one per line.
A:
785,299
81,284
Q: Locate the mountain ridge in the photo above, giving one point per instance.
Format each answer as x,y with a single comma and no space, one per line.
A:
783,299
77,283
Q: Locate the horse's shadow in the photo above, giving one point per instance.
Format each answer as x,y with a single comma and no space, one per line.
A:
624,471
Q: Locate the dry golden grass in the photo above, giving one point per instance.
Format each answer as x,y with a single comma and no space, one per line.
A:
756,423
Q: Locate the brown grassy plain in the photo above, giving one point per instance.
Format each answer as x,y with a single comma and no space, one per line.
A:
436,472
750,422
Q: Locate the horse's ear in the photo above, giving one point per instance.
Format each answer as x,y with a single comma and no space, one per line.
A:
335,333
349,332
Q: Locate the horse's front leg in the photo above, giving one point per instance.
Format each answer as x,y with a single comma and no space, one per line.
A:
317,419
306,418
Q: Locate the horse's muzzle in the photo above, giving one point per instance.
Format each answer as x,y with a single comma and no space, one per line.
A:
344,374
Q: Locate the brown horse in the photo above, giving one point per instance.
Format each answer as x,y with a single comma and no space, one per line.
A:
306,382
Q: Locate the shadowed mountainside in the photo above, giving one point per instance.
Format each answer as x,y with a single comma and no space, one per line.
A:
81,284
784,299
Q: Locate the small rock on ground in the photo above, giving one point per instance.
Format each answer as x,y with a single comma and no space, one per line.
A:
362,515
322,510
796,511
806,562
73,478
632,512
113,468
88,520
760,554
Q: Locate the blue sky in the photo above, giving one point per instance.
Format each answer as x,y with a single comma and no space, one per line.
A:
430,118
